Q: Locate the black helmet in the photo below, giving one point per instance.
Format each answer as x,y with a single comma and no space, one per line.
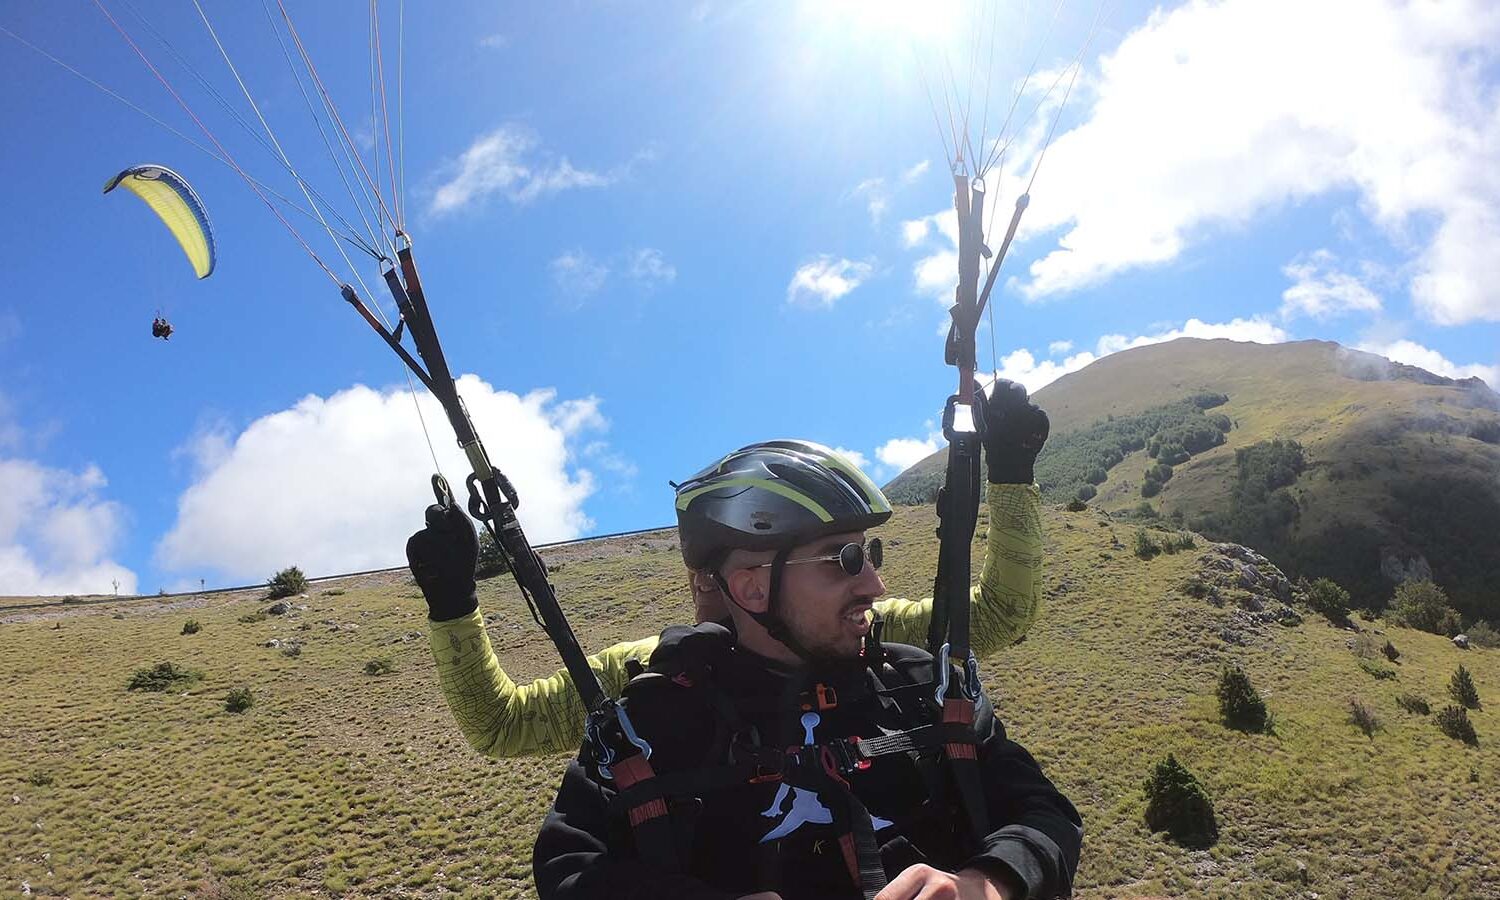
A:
773,495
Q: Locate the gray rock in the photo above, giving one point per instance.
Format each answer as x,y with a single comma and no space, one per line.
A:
279,607
1461,641
273,643
1399,570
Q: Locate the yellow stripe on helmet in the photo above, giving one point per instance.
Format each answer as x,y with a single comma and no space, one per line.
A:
775,487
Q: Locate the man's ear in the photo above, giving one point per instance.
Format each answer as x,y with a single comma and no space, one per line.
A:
747,588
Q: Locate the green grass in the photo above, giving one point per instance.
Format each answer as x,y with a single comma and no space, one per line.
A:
338,783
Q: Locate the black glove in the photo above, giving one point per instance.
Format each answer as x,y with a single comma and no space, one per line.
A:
690,650
1015,432
442,558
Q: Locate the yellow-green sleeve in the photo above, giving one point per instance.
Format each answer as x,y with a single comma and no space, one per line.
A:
500,718
1008,598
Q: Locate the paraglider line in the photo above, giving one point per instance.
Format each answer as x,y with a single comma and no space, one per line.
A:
209,134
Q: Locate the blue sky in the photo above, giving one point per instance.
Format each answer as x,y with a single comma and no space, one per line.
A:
653,232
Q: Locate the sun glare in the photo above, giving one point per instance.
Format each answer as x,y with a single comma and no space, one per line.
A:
928,24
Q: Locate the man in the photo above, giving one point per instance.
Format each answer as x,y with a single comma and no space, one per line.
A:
502,719
798,756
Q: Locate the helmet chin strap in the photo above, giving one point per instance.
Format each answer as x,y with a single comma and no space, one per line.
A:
771,619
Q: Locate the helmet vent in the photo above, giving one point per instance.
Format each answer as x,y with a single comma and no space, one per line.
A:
763,526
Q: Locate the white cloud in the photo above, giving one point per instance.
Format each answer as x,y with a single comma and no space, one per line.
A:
577,274
495,41
57,533
1256,329
1021,367
936,274
648,268
915,172
1384,98
508,163
600,454
337,484
877,192
1414,354
824,280
854,456
898,454
1320,290
1058,348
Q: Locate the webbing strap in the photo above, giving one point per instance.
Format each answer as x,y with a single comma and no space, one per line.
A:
648,817
963,762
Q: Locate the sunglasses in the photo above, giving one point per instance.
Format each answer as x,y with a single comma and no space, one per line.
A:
851,557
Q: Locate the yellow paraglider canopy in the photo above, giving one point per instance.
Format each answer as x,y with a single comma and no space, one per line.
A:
171,198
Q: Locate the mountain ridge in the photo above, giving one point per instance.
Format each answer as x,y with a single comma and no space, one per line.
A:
1396,466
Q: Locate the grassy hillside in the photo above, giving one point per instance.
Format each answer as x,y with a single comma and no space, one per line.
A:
339,783
1403,466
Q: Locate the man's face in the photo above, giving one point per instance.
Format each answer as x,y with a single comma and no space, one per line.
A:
826,609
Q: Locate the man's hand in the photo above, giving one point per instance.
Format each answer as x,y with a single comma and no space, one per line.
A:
442,558
922,882
1015,432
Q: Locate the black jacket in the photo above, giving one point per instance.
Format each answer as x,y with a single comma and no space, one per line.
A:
782,837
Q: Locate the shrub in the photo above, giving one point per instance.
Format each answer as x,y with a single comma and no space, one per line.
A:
1144,510
239,699
1413,704
191,626
286,583
1177,804
1377,669
1240,705
39,779
379,667
71,599
1461,688
1087,492
1182,540
334,592
1326,597
292,649
252,618
1077,505
1482,634
1145,547
1390,651
164,676
491,559
1424,605
1454,722
1150,488
1362,717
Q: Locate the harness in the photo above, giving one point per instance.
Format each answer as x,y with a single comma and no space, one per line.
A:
739,757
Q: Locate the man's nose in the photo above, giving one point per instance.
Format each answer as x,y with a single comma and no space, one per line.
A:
869,584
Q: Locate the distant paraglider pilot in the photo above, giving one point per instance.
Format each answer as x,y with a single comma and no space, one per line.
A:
161,328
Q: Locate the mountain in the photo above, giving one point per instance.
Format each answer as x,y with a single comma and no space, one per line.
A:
350,779
1335,462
